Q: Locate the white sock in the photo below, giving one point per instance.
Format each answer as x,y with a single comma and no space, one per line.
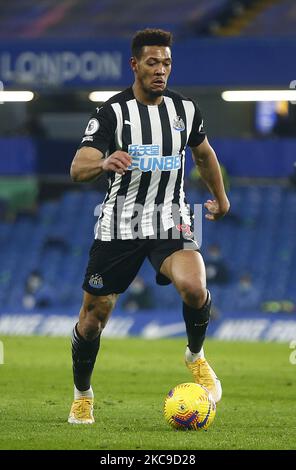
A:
86,394
192,357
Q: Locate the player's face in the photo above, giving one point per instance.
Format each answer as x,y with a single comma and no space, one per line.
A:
152,69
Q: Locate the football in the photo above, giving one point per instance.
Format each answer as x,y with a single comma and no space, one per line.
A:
189,406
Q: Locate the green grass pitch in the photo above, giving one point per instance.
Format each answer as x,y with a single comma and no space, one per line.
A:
131,379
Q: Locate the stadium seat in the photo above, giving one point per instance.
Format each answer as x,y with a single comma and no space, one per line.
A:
255,240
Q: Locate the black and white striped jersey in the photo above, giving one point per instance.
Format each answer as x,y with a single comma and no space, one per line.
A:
155,136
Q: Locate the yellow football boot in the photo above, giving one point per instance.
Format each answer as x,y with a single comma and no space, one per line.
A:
82,411
204,375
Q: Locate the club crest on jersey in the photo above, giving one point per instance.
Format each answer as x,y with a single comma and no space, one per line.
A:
96,281
178,124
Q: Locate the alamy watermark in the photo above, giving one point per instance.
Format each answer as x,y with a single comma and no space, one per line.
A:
1,353
153,221
292,357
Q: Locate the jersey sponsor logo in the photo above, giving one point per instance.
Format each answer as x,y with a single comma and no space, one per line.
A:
135,150
96,281
148,158
178,124
92,127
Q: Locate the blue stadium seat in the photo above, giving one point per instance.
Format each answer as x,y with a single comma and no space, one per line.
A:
276,20
260,242
107,19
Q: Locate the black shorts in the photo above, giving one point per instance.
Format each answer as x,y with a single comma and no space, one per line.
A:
114,264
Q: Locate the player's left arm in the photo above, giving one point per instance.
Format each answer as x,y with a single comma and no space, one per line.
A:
206,160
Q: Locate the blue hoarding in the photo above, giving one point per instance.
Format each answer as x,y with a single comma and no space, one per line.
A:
96,63
153,324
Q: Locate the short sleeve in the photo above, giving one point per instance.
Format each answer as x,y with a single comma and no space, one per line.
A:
197,134
100,130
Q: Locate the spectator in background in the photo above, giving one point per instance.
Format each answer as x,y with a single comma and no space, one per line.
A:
216,268
38,294
278,306
33,127
283,127
285,123
247,295
140,297
33,283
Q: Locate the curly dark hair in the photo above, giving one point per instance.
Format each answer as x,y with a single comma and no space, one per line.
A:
150,37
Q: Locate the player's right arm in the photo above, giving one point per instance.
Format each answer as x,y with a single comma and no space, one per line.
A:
89,163
90,160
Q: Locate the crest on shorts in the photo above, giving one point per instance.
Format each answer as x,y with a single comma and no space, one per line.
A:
178,124
96,281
